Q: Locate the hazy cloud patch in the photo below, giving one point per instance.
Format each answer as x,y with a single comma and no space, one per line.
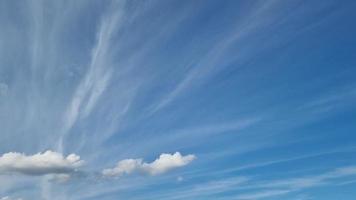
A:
9,198
4,88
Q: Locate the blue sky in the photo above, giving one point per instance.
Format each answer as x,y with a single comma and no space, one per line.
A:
205,99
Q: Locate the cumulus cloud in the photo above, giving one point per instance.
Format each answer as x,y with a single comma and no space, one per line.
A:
126,166
48,162
164,163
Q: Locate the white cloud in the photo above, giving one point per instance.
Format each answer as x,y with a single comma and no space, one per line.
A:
48,162
9,198
97,78
126,166
164,163
167,162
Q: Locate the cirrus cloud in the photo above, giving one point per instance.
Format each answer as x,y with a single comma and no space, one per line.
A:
9,198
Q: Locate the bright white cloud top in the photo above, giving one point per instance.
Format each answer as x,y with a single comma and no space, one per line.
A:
48,162
164,163
262,92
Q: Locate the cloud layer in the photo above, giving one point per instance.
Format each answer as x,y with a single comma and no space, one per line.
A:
239,82
61,167
48,162
164,163
9,198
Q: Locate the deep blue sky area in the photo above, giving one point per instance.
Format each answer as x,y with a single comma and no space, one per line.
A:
178,99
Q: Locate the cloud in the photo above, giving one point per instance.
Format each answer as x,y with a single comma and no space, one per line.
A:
286,186
126,166
312,181
167,162
97,78
3,89
263,194
59,178
214,60
201,189
180,179
9,198
38,164
164,163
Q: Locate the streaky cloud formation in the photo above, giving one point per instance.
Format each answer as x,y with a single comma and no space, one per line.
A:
9,198
97,77
263,194
164,163
48,162
281,187
262,92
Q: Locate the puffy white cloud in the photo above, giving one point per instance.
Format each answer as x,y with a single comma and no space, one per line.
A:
164,163
126,166
48,162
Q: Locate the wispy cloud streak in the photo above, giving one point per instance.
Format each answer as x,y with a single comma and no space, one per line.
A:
98,75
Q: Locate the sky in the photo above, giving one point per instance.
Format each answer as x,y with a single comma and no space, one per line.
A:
177,99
